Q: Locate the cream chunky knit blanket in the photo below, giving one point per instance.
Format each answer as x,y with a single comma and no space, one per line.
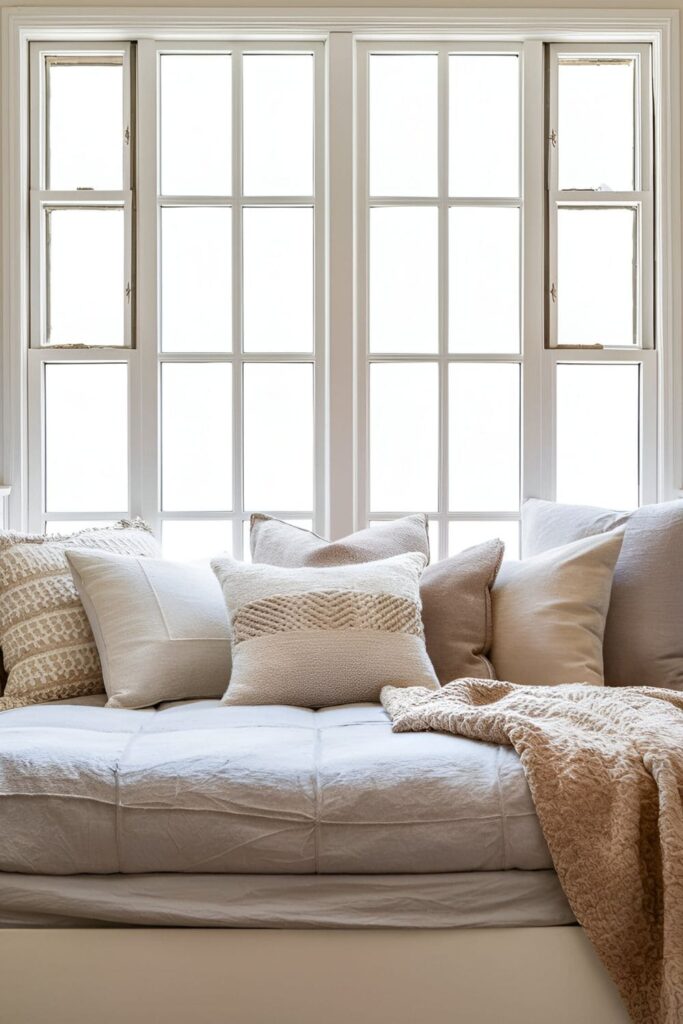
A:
605,770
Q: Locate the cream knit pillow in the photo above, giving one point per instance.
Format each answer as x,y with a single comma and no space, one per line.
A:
47,644
314,637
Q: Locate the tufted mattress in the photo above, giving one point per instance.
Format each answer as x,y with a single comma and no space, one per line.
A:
200,788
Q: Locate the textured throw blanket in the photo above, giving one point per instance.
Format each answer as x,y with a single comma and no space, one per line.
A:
605,770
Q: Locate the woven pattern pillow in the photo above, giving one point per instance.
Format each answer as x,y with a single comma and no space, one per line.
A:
276,543
319,637
48,648
455,593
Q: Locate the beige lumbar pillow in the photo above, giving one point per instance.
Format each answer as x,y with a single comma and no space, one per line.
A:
47,644
274,542
549,613
318,637
161,627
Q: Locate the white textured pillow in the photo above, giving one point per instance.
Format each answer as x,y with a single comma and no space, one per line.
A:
314,637
549,613
161,627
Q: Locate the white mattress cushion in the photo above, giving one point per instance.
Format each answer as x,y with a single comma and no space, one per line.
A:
201,787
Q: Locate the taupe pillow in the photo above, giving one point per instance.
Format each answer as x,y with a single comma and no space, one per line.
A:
48,647
549,613
644,631
456,611
315,637
455,593
276,543
161,627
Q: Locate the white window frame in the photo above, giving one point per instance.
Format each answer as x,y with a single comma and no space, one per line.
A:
152,356
340,30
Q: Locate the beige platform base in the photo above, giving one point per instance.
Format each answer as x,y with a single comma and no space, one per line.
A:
203,976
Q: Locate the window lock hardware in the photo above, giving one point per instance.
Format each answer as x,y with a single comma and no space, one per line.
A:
126,135
128,291
552,138
553,292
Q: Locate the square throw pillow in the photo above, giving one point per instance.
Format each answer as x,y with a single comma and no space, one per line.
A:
455,593
47,644
276,543
644,631
161,627
549,613
315,637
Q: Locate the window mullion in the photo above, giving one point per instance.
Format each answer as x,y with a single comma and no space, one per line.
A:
237,311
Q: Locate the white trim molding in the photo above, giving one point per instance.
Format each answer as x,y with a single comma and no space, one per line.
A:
341,28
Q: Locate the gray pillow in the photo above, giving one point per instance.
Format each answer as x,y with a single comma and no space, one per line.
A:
644,631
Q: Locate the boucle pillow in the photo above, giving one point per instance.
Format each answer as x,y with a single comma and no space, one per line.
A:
316,637
276,543
549,613
455,593
47,644
644,631
161,627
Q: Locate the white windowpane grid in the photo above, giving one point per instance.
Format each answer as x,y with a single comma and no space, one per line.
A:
86,437
196,124
596,268
404,436
484,279
196,437
598,434
404,279
85,276
68,526
278,115
483,105
403,125
195,540
278,436
484,437
278,279
196,279
596,123
85,129
466,533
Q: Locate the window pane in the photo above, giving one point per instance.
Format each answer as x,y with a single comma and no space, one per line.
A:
196,124
85,277
196,279
483,106
86,437
484,281
64,526
278,279
483,437
598,440
404,279
404,437
194,540
85,123
465,534
278,124
596,122
278,436
196,436
595,285
403,124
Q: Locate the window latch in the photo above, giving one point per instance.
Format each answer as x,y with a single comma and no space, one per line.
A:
128,291
553,292
126,135
552,138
